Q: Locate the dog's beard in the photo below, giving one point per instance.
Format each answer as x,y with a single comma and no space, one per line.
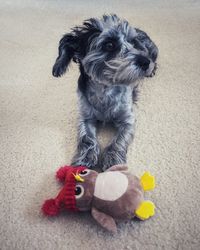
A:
122,70
150,69
94,64
115,71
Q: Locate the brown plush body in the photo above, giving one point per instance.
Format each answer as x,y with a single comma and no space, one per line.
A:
125,205
113,195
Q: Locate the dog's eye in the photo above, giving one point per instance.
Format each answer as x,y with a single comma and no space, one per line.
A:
109,46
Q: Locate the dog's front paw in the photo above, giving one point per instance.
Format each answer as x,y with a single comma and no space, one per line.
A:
87,157
111,157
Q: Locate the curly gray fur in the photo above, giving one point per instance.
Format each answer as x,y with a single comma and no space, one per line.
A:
112,56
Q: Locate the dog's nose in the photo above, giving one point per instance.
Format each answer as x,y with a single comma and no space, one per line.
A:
143,62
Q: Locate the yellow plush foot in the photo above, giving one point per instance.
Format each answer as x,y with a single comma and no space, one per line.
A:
145,210
147,181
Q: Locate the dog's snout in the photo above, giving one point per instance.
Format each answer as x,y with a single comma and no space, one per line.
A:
143,62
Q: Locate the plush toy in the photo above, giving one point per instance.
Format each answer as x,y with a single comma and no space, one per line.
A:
110,196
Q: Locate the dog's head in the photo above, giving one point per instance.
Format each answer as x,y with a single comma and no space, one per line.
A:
109,50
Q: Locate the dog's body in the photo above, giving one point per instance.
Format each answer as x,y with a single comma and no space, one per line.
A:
112,55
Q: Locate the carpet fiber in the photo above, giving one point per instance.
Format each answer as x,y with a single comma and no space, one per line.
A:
38,120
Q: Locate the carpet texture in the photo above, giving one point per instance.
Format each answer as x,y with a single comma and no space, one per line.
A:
38,119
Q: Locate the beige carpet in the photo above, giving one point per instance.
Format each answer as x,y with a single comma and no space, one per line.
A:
38,118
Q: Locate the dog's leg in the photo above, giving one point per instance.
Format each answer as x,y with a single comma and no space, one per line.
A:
115,153
88,149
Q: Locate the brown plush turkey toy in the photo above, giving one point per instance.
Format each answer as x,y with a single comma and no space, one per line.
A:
111,196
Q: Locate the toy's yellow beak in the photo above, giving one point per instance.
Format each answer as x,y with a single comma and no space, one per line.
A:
78,178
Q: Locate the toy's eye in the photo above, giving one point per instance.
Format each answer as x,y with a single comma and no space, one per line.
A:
109,46
79,191
84,172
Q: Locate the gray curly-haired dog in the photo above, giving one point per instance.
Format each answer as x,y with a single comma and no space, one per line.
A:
111,55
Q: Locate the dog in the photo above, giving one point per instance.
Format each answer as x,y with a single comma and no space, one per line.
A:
112,56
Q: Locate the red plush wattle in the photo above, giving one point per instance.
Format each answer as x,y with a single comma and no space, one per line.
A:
50,208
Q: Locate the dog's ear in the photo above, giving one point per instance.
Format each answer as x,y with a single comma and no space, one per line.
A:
66,50
148,43
74,45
